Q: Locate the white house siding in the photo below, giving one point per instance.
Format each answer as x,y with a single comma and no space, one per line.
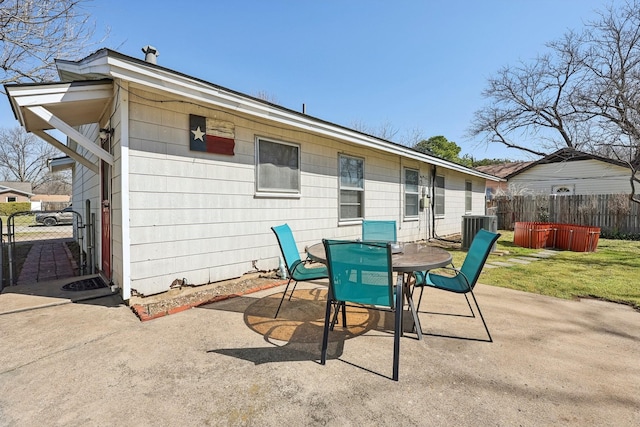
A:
454,203
584,176
195,215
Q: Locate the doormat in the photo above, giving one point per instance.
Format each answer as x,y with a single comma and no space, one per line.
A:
85,285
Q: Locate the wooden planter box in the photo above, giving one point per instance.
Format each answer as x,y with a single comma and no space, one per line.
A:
536,235
531,234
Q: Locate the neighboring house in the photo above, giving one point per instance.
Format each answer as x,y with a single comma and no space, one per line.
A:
568,172
186,177
14,191
496,188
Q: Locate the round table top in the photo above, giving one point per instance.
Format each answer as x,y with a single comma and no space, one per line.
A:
414,257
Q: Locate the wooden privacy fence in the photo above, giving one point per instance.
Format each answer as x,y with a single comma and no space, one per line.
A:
613,213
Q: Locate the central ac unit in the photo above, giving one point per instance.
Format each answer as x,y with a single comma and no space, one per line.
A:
471,224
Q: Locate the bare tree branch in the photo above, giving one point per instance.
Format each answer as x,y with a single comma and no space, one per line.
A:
33,33
23,158
583,94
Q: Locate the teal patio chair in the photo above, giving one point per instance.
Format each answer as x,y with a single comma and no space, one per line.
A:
378,231
296,268
464,279
361,273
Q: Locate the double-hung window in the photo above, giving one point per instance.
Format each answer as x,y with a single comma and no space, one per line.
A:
277,167
468,194
438,209
411,193
351,170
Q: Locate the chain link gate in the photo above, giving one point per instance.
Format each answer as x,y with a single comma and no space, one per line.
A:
27,230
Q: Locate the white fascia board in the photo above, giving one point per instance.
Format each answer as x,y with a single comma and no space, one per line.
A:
203,92
54,94
98,66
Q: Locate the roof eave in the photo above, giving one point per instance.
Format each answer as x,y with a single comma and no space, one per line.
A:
108,63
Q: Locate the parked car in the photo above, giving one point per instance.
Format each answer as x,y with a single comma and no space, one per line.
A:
64,216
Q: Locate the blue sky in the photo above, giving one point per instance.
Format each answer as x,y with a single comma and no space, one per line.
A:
418,64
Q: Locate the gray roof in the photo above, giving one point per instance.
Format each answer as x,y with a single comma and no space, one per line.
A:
17,187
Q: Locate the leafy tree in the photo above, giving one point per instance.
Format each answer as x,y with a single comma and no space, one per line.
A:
449,150
439,146
584,93
487,162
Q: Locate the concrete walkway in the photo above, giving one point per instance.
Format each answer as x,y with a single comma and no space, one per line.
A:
494,262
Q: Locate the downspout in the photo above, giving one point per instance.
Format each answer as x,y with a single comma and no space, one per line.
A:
401,195
433,202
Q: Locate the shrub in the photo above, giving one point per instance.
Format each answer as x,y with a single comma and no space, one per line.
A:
9,208
617,235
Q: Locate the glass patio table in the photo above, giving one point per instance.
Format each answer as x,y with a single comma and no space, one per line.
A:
408,258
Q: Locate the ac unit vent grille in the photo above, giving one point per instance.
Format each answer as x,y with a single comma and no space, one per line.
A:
471,224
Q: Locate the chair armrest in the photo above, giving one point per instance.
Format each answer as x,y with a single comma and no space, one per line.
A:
295,266
458,273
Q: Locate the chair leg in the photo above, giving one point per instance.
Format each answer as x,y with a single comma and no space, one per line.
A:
397,332
420,298
469,304
325,333
338,306
416,321
282,299
481,316
292,290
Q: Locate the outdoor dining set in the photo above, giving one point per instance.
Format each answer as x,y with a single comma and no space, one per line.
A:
380,273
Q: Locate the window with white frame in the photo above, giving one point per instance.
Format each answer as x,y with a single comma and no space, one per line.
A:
411,193
351,170
438,202
277,167
468,196
12,199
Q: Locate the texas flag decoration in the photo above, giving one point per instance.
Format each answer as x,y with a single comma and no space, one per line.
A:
211,135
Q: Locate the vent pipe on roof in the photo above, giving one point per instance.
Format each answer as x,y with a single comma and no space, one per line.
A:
150,54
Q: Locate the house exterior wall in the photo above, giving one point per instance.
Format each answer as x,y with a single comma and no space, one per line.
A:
583,176
9,195
196,216
454,204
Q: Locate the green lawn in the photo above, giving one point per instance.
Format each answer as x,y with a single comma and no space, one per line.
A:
610,273
26,219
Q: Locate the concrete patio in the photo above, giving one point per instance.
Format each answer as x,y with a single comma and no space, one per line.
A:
552,362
